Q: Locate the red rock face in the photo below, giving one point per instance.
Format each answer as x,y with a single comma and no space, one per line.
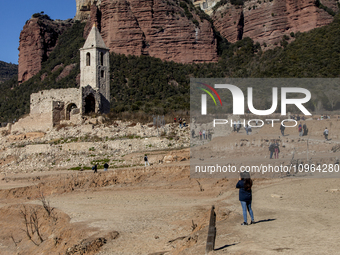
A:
95,18
37,39
157,28
269,21
120,29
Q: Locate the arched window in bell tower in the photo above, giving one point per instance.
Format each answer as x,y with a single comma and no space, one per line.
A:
101,58
88,59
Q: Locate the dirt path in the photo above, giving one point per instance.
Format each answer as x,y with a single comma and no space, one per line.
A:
303,221
294,216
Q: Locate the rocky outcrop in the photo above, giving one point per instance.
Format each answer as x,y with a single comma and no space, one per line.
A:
66,71
84,8
37,39
94,18
157,28
267,21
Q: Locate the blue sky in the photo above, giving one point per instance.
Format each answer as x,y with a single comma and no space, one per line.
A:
13,15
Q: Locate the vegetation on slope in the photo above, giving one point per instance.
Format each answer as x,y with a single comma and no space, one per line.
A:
156,87
15,100
7,71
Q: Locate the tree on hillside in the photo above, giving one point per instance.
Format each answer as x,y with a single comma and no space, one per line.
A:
333,97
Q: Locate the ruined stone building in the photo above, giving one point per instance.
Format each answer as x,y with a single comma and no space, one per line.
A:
51,107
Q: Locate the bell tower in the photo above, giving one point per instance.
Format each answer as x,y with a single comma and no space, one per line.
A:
94,74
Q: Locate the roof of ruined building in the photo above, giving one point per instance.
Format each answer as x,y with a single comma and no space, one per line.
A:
94,39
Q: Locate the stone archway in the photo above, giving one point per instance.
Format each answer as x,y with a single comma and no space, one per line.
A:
69,108
90,104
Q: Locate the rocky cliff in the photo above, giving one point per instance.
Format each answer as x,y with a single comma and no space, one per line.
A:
157,28
84,9
37,39
267,21
173,30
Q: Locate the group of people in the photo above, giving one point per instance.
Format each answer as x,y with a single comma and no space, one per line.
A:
95,167
106,165
237,127
303,131
324,117
202,134
274,148
297,117
205,134
182,122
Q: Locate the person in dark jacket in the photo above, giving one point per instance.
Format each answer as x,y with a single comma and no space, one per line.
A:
272,148
106,166
146,160
94,168
305,130
245,196
282,128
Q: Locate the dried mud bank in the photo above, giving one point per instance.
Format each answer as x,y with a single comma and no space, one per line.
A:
98,210
160,209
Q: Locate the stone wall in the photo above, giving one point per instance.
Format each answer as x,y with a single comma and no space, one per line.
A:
48,108
41,102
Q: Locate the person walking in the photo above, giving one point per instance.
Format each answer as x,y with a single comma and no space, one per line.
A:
245,196
146,160
94,168
106,166
184,123
203,134
180,122
325,133
271,149
305,130
300,130
276,149
200,133
246,128
282,128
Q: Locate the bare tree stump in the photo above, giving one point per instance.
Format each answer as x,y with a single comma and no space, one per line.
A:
211,232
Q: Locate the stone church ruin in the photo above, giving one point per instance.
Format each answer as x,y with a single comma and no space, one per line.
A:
56,106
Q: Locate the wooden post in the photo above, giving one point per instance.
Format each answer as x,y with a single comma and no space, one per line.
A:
211,231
